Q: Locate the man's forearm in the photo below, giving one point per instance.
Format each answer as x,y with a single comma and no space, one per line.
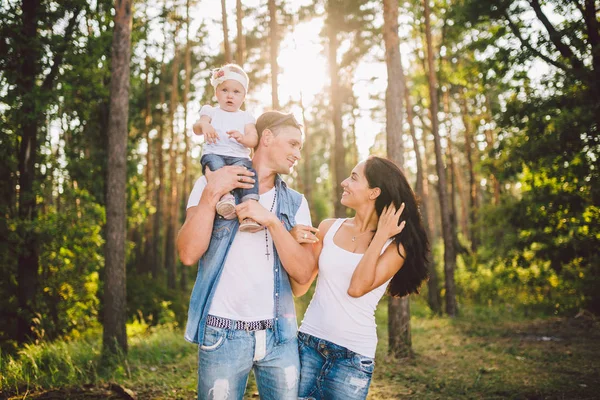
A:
297,259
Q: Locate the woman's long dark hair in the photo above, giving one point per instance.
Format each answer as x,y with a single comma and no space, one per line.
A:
386,176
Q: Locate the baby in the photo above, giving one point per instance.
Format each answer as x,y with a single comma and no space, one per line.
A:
229,134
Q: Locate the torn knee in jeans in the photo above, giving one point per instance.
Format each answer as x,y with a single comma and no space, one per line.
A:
291,377
220,390
358,383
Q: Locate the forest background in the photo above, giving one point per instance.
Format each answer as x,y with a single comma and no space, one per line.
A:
492,109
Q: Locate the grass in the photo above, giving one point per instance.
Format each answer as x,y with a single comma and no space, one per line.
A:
482,354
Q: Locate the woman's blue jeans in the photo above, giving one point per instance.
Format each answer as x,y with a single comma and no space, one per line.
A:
331,372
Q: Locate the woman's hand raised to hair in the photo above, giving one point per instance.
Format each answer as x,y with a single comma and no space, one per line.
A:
388,225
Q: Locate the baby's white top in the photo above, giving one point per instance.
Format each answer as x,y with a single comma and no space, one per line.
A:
224,121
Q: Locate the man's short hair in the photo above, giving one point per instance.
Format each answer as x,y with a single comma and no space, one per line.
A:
274,120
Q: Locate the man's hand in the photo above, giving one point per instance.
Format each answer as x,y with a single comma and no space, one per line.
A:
253,209
227,178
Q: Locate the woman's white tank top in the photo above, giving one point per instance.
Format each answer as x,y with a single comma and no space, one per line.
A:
335,316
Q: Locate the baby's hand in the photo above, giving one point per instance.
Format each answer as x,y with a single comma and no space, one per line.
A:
210,134
237,135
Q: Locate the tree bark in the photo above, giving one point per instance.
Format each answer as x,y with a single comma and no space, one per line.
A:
422,191
226,45
27,262
157,261
339,151
273,50
144,266
469,148
449,251
489,138
173,203
306,160
241,39
31,113
186,91
398,308
115,295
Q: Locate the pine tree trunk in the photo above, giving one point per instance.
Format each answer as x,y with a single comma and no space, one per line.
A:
489,138
241,39
226,45
447,228
273,50
469,148
339,151
158,256
27,261
307,179
173,203
422,190
186,167
144,266
398,308
457,178
115,299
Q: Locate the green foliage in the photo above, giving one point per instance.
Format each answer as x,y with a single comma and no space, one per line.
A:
541,241
79,362
486,352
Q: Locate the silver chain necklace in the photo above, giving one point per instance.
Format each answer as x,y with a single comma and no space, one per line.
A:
360,234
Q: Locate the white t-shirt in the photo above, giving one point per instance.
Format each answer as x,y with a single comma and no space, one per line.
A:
223,122
333,314
245,290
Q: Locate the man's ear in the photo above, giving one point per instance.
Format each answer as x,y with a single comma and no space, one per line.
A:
266,137
375,192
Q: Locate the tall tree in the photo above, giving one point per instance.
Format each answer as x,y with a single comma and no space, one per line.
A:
148,234
240,50
186,148
422,190
115,299
398,308
158,255
172,201
307,180
448,236
34,91
226,45
469,149
273,52
338,159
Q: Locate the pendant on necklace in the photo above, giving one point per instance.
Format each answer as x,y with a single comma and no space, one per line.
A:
353,238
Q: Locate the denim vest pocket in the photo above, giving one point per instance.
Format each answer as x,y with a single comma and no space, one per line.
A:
213,338
363,363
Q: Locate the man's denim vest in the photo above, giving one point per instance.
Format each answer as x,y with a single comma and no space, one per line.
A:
211,265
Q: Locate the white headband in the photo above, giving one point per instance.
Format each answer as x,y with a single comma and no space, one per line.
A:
221,75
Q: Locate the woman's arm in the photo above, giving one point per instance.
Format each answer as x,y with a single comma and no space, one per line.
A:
374,269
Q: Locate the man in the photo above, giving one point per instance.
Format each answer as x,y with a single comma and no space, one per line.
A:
241,310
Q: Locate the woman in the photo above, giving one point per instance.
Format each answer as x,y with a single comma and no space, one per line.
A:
383,245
